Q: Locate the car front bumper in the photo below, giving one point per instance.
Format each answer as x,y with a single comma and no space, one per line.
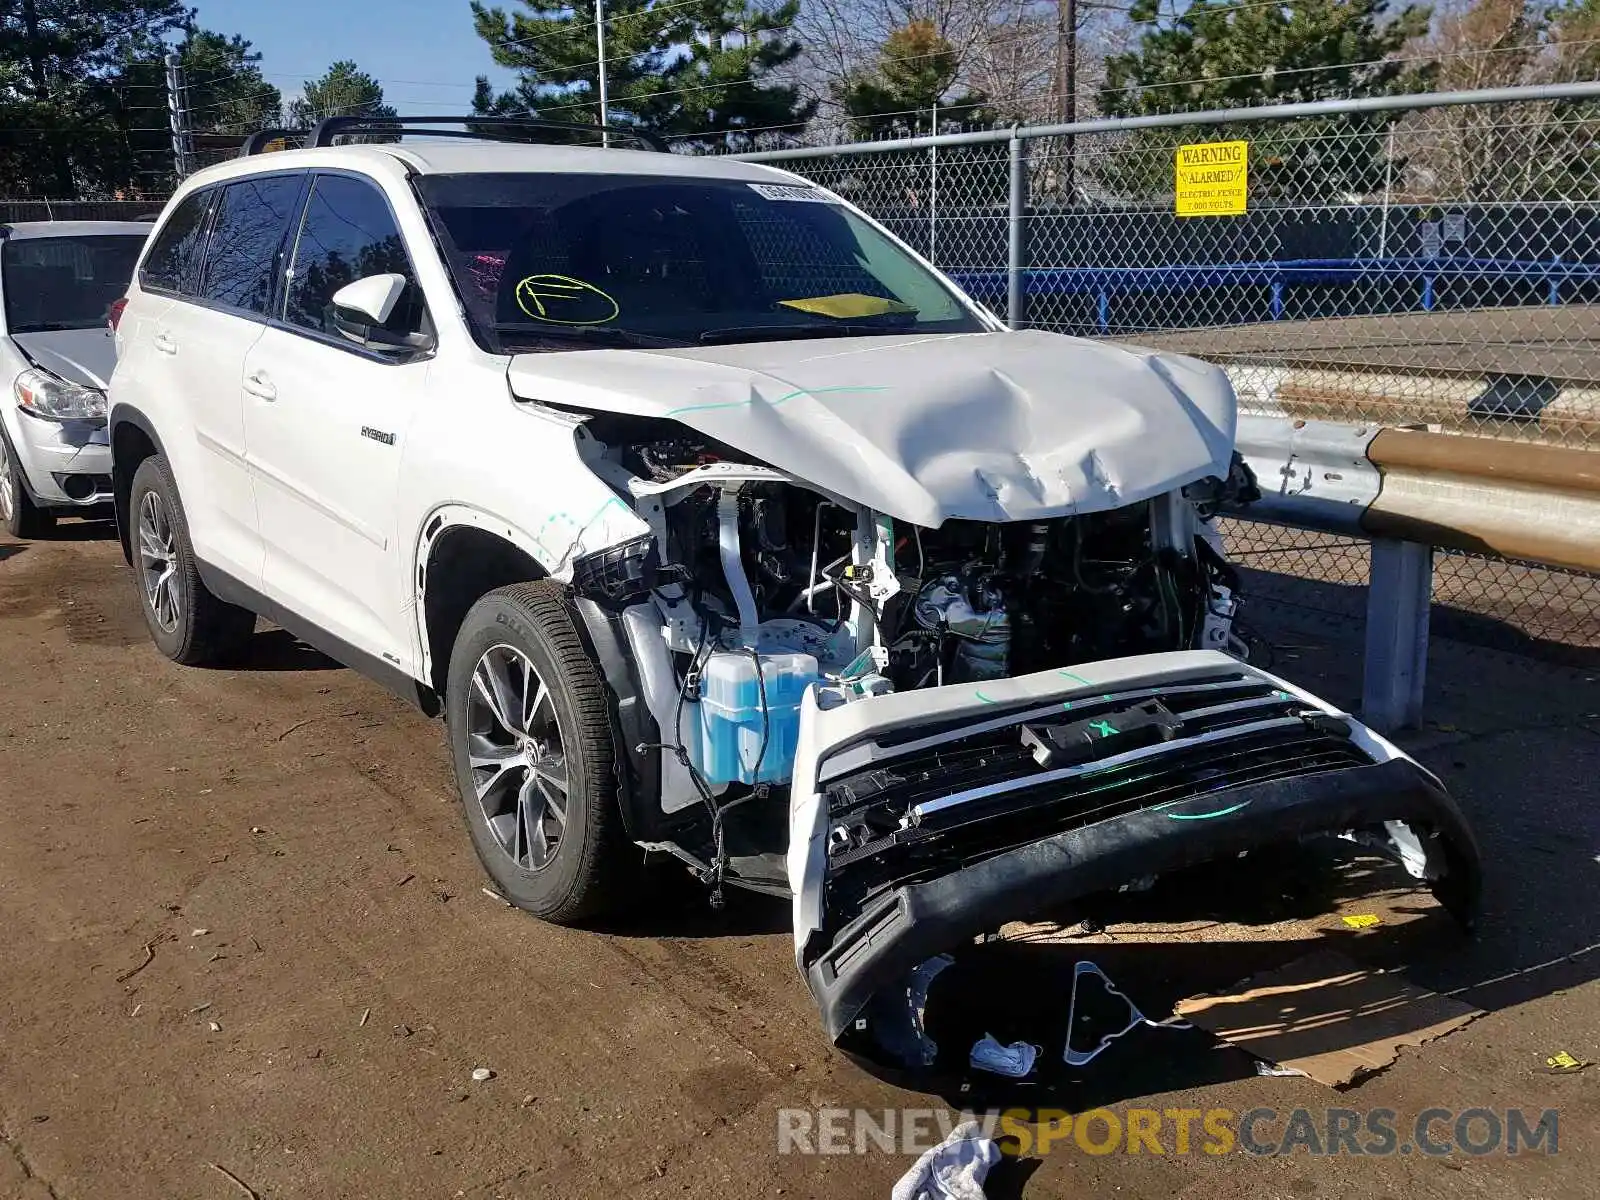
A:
991,833
66,464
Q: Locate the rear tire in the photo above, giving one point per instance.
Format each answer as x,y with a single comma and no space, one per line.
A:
23,518
187,623
534,749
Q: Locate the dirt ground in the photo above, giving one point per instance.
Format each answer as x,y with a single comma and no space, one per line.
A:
246,950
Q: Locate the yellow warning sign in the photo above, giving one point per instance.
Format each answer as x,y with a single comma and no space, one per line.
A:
1213,179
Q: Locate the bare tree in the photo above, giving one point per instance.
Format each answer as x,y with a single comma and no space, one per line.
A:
1503,152
1006,49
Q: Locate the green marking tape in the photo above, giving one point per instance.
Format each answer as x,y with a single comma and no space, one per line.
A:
563,515
1221,812
1104,728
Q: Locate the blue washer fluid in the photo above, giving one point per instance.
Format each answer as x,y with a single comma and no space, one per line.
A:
730,719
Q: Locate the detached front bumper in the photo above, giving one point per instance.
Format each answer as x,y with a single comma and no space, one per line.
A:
917,826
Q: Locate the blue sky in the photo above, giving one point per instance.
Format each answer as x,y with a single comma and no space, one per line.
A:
424,52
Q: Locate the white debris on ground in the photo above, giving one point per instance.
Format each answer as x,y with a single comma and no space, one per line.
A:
953,1170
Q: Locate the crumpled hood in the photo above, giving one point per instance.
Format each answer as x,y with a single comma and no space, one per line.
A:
989,427
83,356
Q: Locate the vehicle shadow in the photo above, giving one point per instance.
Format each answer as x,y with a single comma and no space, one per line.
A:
677,905
11,550
1557,628
274,649
1008,1177
83,529
1268,911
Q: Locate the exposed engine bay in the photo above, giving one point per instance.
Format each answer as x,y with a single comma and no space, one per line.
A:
762,586
962,603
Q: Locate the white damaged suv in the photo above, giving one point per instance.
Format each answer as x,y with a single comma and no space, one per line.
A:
719,525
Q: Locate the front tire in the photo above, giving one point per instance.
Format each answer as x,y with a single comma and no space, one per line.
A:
534,750
23,518
187,623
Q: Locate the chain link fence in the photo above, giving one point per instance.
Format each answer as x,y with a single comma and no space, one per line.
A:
1432,265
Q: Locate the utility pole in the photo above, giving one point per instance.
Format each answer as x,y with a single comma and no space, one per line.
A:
933,191
600,53
178,114
1067,80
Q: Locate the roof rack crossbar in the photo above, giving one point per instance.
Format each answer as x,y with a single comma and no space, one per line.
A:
483,128
258,141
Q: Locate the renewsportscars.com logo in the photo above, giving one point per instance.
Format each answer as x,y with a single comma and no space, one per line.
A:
1375,1132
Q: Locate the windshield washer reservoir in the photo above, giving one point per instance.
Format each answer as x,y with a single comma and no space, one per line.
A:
731,721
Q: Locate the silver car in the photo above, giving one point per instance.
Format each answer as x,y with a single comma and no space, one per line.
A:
58,283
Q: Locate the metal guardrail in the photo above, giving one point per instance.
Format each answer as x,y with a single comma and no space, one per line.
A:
1408,492
1518,500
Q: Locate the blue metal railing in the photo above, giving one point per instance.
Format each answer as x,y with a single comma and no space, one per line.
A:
1425,274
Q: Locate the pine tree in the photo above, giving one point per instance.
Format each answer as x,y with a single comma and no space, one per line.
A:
1227,54
228,97
916,70
723,83
55,62
700,66
344,90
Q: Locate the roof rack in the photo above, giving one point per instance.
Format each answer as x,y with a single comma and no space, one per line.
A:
258,141
492,129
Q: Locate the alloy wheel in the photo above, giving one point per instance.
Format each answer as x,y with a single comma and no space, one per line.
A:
517,756
8,499
158,561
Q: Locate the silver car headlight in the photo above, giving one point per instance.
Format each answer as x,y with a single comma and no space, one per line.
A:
42,394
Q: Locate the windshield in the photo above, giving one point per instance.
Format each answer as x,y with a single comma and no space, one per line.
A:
65,282
607,260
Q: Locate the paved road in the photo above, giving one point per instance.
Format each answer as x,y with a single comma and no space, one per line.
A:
276,850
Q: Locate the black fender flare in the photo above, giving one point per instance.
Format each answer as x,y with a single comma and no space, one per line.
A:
121,470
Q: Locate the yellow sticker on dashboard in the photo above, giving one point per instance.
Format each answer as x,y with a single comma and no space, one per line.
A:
563,300
848,304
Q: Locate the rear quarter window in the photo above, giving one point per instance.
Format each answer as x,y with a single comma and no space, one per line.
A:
174,257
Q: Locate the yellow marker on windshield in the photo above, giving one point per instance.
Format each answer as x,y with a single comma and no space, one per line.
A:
847,305
563,300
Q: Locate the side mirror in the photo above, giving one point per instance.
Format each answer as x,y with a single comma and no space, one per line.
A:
373,298
361,308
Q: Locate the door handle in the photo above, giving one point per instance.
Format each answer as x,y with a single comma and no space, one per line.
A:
164,343
257,384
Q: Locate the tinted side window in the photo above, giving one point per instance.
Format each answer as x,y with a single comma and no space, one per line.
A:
175,251
348,233
246,237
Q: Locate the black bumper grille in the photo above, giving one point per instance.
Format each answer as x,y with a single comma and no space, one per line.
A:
1233,730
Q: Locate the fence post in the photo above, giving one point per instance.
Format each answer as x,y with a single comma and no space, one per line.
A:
1016,247
1399,593
178,115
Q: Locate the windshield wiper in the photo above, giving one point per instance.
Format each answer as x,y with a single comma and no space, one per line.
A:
781,333
598,335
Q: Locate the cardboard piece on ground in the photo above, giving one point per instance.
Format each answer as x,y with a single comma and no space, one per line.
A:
1327,1016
